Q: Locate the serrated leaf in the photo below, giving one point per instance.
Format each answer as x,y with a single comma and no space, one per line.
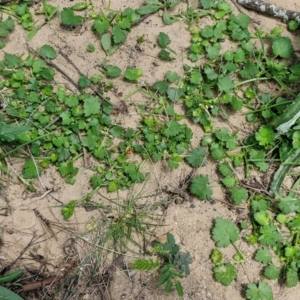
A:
6,26
100,26
163,40
292,277
263,255
48,52
132,74
172,128
283,47
118,34
112,71
174,94
239,195
217,151
164,55
265,135
200,187
261,292
161,87
83,82
272,272
96,181
225,84
269,235
229,181
12,60
196,157
69,18
225,273
250,70
30,170
172,76
91,106
224,232
10,132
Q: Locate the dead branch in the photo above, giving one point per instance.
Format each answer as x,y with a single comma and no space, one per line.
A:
35,285
270,9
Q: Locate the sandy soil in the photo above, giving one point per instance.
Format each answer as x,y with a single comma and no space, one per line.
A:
189,222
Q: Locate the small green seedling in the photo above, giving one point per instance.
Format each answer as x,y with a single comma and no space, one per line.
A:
173,266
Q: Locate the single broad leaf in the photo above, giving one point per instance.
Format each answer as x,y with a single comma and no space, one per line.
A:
210,73
261,292
83,82
179,288
90,142
283,47
106,41
196,157
229,182
12,60
112,71
161,87
216,257
48,52
174,94
225,84
165,55
90,48
118,34
272,272
172,76
6,26
225,273
225,169
2,44
239,195
69,18
132,74
262,218
112,186
163,40
91,106
269,235
292,277
200,187
10,132
241,19
263,255
265,135
250,70
147,9
217,152
100,26
289,204
224,232
172,128
30,170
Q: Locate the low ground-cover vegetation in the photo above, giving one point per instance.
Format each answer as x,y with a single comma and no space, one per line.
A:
59,127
